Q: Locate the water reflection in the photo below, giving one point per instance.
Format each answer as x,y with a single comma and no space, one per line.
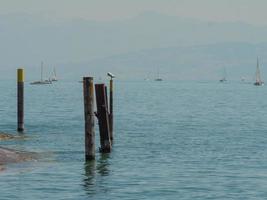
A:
103,165
95,171
89,177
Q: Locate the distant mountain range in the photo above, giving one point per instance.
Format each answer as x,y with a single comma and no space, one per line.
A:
133,48
202,62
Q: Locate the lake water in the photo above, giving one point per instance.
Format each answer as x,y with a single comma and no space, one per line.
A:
173,140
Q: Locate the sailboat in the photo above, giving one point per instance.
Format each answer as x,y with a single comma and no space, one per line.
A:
41,82
258,82
158,77
54,77
223,79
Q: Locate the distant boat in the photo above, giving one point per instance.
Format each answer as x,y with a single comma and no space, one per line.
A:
41,82
54,77
158,77
258,81
223,79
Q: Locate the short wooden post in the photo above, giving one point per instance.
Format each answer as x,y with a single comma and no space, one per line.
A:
20,99
103,118
111,108
88,93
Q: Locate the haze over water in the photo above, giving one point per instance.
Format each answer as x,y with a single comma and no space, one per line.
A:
180,138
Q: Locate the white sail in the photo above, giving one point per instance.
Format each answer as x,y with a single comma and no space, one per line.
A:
158,77
54,77
258,74
41,81
224,75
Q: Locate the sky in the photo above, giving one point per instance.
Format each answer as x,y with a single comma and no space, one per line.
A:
248,11
28,41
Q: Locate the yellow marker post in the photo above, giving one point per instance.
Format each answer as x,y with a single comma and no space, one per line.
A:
20,98
20,75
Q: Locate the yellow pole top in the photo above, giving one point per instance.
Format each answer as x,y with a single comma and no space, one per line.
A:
20,75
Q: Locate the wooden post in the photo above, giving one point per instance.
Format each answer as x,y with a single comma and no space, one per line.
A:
88,93
103,118
106,97
111,108
20,99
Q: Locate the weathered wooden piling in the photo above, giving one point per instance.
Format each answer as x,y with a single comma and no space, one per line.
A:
103,118
88,93
106,97
20,99
111,109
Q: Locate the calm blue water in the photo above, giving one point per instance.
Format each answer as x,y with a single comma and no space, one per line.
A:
173,140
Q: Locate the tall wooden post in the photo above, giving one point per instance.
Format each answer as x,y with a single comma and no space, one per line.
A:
20,99
111,108
103,118
88,93
106,97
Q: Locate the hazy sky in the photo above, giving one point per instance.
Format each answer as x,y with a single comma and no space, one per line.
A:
250,11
